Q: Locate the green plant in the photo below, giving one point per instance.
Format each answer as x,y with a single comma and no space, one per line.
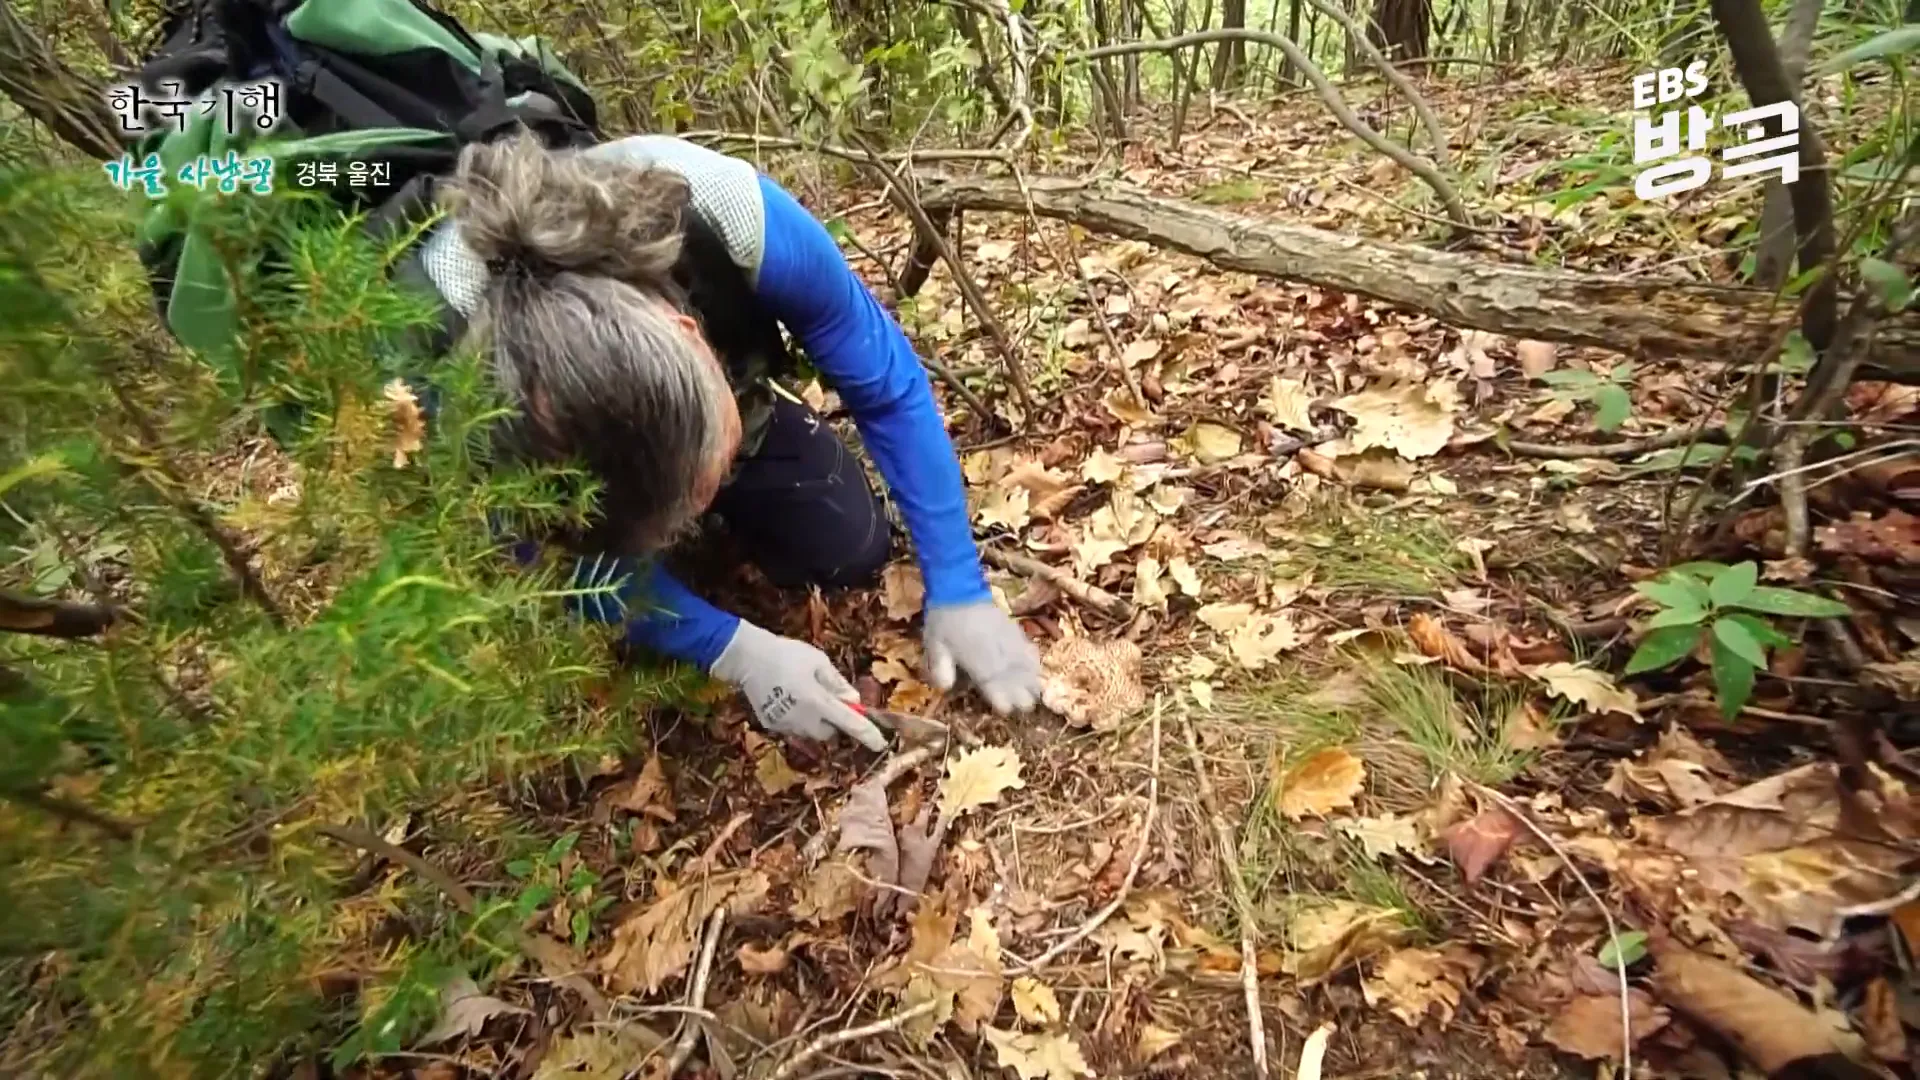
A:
1724,606
550,874
1608,394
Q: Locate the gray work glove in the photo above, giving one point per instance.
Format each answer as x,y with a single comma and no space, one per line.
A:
793,687
986,643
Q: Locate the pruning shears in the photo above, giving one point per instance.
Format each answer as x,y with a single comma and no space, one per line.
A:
909,729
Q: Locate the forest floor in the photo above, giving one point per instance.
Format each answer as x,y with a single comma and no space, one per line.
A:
1386,678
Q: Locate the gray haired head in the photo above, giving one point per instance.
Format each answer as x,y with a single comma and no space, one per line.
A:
584,325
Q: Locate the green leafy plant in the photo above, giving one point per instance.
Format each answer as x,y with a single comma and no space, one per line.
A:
1608,394
547,875
1725,606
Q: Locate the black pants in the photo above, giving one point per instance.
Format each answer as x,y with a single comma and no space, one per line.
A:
802,508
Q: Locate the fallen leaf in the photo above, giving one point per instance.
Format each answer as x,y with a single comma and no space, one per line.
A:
918,846
867,825
1225,618
771,770
1413,420
601,1052
1589,1025
1432,638
1139,352
1769,1028
1536,357
1324,782
464,1010
903,590
1004,507
649,793
1313,1052
1478,843
1261,639
1587,686
1153,1042
1101,467
1382,836
1415,982
755,960
1041,1056
409,423
1035,1002
657,944
830,893
1893,538
1470,356
1328,937
1289,404
978,777
1148,590
1091,552
1213,443
1183,575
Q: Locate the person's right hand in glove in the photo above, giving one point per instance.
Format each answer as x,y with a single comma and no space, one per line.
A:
793,687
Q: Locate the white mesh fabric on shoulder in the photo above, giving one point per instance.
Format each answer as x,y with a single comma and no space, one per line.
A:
725,191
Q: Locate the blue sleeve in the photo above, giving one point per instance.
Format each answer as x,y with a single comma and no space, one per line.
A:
661,614
864,354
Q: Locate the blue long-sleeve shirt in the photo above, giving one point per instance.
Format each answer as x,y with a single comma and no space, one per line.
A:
860,351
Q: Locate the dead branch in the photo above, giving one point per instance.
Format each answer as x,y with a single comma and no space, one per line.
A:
1750,41
72,105
1329,94
689,1034
1228,853
1092,595
1422,108
70,810
840,1038
1086,929
22,614
1666,440
1636,316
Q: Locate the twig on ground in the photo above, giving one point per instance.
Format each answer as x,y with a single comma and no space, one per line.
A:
697,993
1613,930
1666,440
840,1038
1329,94
1092,595
1100,917
733,825
1228,853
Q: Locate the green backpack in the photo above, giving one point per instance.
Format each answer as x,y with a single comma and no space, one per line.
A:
380,95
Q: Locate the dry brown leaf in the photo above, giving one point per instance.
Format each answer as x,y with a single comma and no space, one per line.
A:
658,943
755,960
1587,686
1005,507
649,793
1432,638
1324,782
1770,1029
830,893
978,777
1183,575
771,771
464,1010
409,423
604,1052
903,590
1213,443
1415,982
1384,835
866,825
1041,1056
1589,1025
1480,842
1101,467
918,847
1148,590
965,976
1261,639
1035,1002
1413,420
1154,1041
1139,352
1328,937
1290,404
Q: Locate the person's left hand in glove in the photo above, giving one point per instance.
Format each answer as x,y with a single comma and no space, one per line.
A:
983,641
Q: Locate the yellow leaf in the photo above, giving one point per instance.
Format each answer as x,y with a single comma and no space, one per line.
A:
1386,835
1092,552
978,777
770,768
1043,1056
1154,1041
1225,618
1587,686
1213,443
409,424
1148,592
656,944
1414,982
1324,782
1139,352
1006,507
1413,420
1035,1002
1121,403
1288,403
1183,575
1256,642
1101,467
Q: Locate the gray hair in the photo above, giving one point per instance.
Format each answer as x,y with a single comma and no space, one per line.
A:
581,318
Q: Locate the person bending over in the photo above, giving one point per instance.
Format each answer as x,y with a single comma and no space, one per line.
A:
630,296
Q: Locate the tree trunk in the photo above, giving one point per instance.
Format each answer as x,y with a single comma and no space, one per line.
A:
1288,74
1513,32
1637,316
1774,261
1401,27
1227,59
71,105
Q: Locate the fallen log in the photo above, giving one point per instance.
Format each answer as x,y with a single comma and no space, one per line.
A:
1636,316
